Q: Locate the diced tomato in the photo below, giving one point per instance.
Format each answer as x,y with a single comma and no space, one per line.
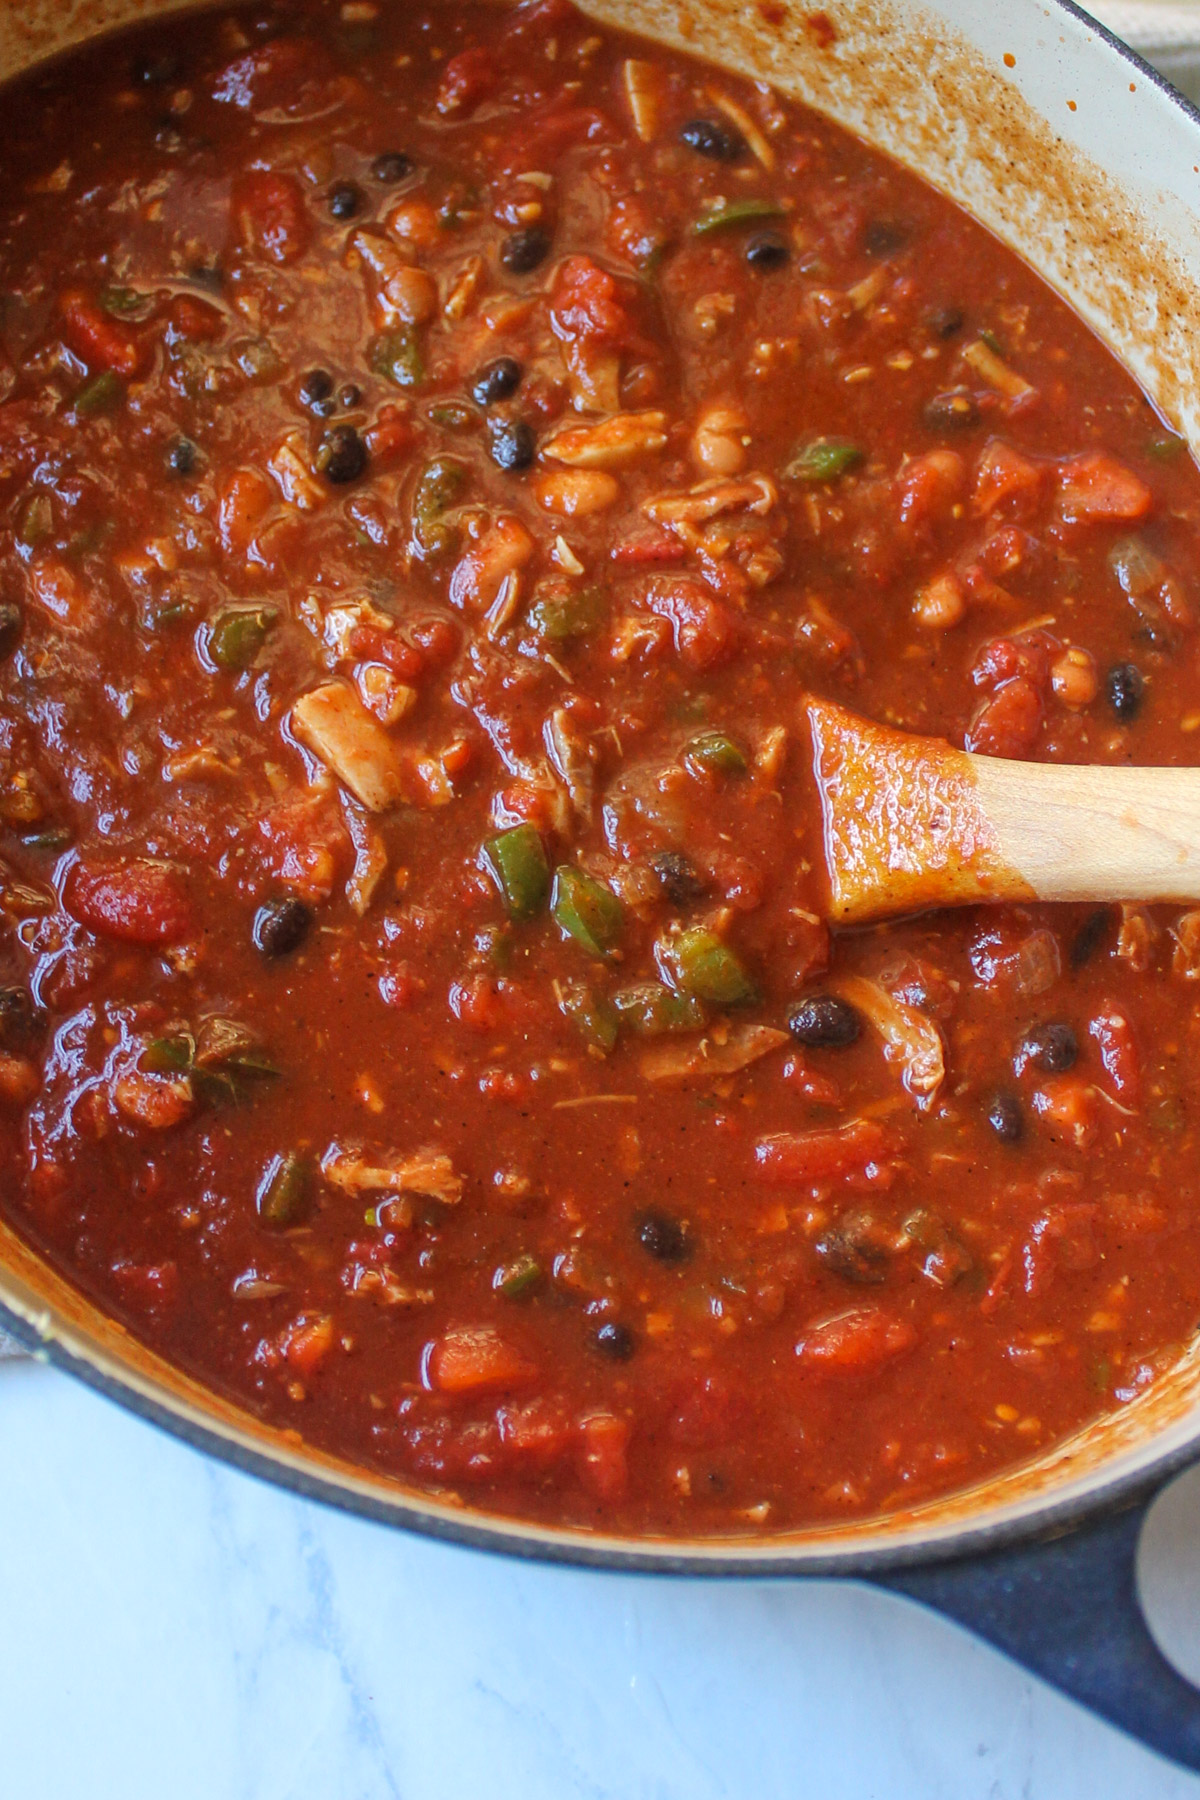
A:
707,1413
536,1435
1096,487
148,1287
485,565
928,486
1008,722
140,902
548,135
1118,1048
1001,659
19,1080
1067,1103
467,79
158,1102
306,845
103,343
269,214
588,303
650,547
855,1342
436,638
477,1003
821,1089
245,499
288,73
192,320
368,642
704,629
475,1359
1006,954
603,1464
804,1157
388,435
306,1342
1004,477
1062,1238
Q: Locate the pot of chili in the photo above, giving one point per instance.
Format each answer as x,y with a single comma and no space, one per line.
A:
440,450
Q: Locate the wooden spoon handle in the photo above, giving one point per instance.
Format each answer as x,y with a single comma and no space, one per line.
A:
912,823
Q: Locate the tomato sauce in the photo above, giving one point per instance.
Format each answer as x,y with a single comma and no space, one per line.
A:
438,454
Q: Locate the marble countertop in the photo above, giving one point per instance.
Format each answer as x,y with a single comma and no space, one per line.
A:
171,1627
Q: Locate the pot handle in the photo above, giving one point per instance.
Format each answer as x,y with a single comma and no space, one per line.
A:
1068,1609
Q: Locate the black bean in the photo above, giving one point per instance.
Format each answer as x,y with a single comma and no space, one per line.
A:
662,1237
1126,685
853,1250
19,1018
615,1340
342,456
391,167
1052,1047
678,878
823,1022
767,250
954,410
11,619
316,386
944,321
883,237
281,926
707,138
1089,937
497,380
1005,1118
512,444
523,250
344,200
160,69
182,456
207,275
350,397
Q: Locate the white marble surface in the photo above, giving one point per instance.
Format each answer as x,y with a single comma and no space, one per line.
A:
170,1628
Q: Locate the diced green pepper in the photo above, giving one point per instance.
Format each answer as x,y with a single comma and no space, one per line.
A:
124,302
586,910
697,962
440,483
37,521
516,1280
715,753
592,1016
736,212
169,1055
452,415
517,862
992,341
100,394
494,945
396,357
652,1010
284,1191
1166,446
560,612
823,459
236,637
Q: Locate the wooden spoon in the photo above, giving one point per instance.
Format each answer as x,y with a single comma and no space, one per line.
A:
912,823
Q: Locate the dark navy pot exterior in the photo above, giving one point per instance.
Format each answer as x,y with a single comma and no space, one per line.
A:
1068,1609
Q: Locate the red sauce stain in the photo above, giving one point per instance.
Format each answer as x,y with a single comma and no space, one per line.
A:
771,12
821,29
1010,61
